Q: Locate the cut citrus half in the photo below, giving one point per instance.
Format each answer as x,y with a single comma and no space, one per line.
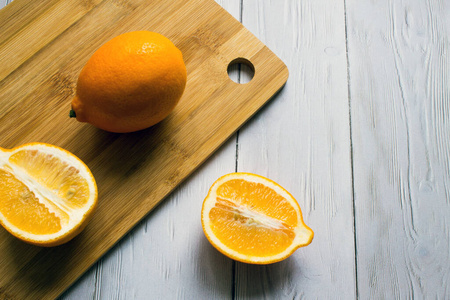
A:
47,194
253,219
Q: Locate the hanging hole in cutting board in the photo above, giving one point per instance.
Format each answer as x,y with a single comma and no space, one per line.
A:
241,70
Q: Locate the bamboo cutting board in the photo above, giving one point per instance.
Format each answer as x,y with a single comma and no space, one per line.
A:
44,45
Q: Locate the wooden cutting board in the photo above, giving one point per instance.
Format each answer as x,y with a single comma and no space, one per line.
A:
43,46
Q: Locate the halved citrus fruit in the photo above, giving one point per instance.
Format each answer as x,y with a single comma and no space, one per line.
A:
47,194
253,219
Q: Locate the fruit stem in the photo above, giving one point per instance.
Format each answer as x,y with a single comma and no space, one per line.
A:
72,114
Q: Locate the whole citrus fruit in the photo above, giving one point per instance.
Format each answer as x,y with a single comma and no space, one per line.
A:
130,83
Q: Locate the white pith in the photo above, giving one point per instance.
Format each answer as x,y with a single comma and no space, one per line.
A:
257,219
302,233
75,215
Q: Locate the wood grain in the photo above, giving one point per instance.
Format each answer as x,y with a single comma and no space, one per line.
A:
400,160
134,171
398,58
168,248
302,142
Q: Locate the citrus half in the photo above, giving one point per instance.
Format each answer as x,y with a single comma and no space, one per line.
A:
47,194
252,219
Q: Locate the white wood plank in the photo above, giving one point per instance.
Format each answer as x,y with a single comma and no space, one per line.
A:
301,140
167,256
83,288
400,100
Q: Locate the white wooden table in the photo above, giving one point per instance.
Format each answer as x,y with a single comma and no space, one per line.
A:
360,135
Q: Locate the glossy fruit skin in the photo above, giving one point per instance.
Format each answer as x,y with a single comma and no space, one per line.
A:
130,83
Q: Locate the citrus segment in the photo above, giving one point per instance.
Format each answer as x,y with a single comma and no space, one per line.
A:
22,209
55,175
261,197
47,194
252,219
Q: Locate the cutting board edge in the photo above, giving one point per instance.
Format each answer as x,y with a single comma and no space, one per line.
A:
184,179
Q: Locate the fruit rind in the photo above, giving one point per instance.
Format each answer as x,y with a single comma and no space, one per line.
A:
303,234
130,83
75,226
